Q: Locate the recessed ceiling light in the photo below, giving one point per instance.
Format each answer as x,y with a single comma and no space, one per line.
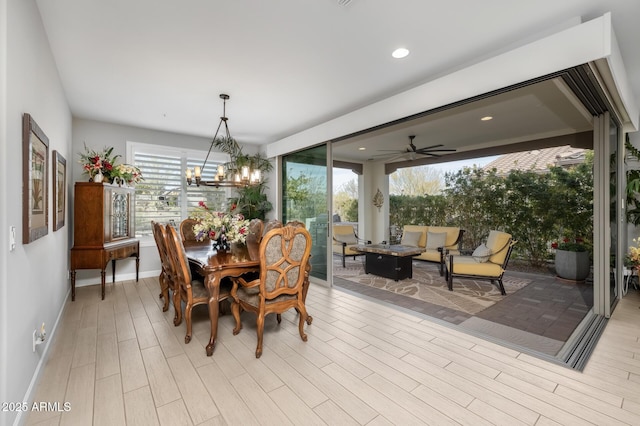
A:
362,148
487,118
400,53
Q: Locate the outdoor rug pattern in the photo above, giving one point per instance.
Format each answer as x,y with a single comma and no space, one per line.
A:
468,296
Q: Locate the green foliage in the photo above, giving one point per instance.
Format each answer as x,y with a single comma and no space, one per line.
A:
418,210
572,246
306,196
351,211
534,208
633,187
251,200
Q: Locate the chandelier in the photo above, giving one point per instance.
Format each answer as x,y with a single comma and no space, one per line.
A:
231,174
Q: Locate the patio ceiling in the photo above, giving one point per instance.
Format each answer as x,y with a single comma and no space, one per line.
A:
547,110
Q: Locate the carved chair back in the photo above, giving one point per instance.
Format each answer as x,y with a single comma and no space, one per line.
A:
187,234
284,256
167,276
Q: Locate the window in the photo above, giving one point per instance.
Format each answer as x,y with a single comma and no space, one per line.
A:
164,196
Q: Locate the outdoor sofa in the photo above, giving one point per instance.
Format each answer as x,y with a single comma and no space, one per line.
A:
436,240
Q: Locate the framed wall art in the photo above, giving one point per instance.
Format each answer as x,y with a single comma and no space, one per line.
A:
35,206
59,182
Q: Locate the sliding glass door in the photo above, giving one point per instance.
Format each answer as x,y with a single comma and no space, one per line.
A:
305,197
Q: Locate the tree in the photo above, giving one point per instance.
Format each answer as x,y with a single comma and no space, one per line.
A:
350,188
414,181
345,201
306,197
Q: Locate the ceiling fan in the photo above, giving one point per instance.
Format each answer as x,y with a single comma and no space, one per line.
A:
411,151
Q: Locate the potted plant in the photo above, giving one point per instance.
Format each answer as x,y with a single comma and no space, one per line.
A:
252,201
572,260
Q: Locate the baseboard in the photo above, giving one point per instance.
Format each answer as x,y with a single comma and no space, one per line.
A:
28,396
119,277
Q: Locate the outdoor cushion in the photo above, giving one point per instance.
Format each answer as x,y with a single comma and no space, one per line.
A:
481,254
497,241
435,240
452,234
422,229
465,265
410,238
346,238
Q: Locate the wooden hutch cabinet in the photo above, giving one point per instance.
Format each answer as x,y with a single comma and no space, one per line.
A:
102,229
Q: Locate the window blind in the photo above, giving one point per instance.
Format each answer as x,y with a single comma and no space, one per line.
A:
164,196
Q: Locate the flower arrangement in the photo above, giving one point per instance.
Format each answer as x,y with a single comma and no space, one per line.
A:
221,227
632,259
126,173
97,162
567,244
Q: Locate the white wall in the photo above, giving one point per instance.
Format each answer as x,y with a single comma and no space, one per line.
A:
574,46
28,295
4,318
97,135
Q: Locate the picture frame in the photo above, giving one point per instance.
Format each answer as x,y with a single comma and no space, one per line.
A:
35,182
59,182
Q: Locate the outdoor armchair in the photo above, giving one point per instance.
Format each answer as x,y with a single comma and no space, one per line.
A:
345,240
488,261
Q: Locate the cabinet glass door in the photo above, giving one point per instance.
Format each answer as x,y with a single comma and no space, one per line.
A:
120,215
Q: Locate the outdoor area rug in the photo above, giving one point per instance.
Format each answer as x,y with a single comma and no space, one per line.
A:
538,313
468,296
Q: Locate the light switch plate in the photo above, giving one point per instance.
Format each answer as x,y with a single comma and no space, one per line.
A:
12,238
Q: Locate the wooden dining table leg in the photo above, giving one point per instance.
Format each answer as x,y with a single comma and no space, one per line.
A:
213,286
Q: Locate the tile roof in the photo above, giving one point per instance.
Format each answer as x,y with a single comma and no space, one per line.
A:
537,160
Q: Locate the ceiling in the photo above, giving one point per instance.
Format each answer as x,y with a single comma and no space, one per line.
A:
289,65
547,109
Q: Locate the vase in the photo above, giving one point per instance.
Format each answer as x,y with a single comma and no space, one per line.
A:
221,245
99,177
120,181
572,265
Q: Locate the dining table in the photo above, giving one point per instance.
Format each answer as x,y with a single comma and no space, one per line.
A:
214,266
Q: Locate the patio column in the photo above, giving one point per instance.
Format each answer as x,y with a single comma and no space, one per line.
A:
374,221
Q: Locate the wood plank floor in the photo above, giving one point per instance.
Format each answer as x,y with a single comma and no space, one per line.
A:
121,361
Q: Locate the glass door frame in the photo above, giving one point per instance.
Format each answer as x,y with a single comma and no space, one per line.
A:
329,195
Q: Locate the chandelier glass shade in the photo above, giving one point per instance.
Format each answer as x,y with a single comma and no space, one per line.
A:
233,174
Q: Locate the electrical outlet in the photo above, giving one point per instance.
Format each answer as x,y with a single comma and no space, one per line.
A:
12,238
38,337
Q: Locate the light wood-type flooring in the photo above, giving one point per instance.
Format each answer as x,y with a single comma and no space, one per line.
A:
121,361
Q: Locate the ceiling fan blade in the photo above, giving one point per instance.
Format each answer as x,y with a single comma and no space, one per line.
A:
428,148
426,151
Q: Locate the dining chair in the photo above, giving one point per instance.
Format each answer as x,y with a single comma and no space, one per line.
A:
167,275
307,272
188,289
284,255
187,235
